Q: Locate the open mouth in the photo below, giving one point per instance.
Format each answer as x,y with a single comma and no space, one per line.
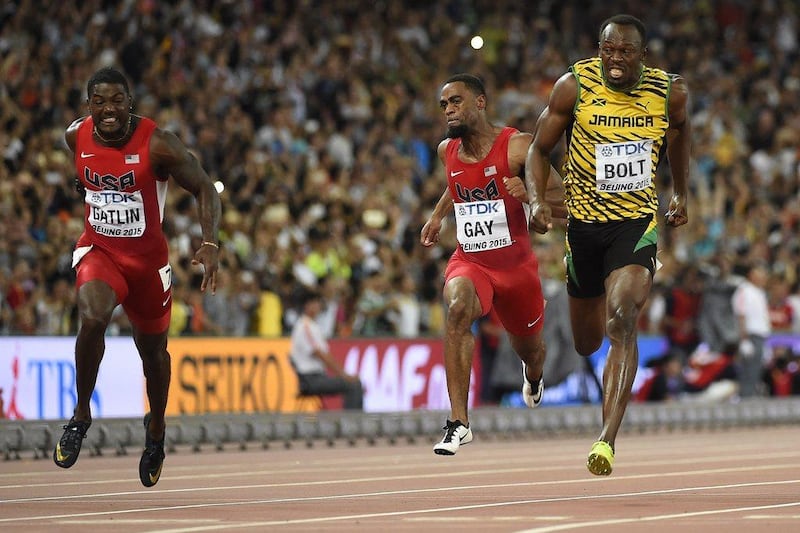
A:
110,123
616,73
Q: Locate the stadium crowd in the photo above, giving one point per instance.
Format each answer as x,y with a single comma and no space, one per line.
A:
320,121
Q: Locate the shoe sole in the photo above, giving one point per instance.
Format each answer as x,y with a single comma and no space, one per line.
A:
445,451
599,463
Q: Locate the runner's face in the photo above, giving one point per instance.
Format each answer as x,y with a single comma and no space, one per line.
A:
109,106
460,108
622,54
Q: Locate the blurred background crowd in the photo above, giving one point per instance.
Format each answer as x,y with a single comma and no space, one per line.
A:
320,119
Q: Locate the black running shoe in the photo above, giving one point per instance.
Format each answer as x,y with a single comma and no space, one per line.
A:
68,448
152,457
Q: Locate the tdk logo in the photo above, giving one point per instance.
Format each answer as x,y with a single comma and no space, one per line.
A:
112,197
631,148
478,209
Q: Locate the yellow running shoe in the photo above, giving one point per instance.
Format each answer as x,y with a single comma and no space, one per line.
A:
601,459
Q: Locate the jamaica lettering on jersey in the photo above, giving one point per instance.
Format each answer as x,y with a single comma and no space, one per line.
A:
615,142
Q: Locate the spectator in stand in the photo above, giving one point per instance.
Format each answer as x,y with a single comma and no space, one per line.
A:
781,373
665,381
712,375
716,323
318,373
683,302
373,307
752,311
406,312
781,312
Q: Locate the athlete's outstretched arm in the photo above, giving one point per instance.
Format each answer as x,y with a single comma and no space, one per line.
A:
550,127
170,157
430,231
679,145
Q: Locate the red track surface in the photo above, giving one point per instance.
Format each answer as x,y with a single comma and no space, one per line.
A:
725,481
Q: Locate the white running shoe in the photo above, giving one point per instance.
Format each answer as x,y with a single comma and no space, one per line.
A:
531,400
455,434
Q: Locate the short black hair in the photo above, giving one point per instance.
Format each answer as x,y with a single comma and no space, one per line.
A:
625,20
107,75
473,83
309,295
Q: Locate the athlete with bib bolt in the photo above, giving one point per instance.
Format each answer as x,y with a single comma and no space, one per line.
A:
618,114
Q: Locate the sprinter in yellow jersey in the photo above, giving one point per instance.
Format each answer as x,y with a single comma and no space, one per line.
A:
617,113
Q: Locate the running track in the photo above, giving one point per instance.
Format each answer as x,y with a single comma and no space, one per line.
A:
732,480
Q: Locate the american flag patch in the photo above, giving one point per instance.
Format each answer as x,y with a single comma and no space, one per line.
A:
131,159
490,171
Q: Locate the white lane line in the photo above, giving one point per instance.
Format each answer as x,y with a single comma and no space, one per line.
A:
350,481
461,508
391,461
136,521
654,518
482,519
402,492
468,469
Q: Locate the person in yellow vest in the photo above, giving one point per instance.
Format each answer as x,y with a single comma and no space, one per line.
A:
618,115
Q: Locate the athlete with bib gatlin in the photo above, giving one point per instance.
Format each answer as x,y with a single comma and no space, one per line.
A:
618,114
123,163
494,265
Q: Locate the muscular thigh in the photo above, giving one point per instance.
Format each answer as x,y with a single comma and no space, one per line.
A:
149,300
458,267
94,264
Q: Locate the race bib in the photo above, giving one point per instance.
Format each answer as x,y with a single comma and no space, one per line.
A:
165,273
116,214
624,167
482,226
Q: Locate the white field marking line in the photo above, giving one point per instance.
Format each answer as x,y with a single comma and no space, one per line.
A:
229,525
275,466
120,521
482,519
349,481
467,466
654,518
408,491
635,445
395,461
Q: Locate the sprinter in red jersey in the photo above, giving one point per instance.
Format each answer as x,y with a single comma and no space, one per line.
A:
123,162
494,265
